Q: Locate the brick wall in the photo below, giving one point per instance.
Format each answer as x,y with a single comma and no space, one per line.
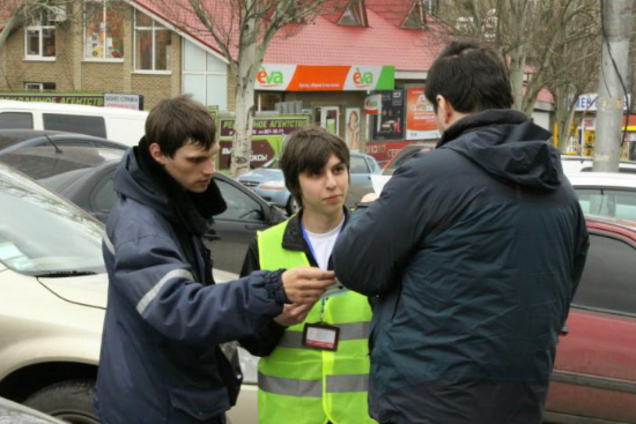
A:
153,87
17,70
70,72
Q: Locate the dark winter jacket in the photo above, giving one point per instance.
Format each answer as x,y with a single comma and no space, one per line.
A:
475,250
160,360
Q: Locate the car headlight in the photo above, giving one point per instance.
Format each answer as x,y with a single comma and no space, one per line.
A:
277,185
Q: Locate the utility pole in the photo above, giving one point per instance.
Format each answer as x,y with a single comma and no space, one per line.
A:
616,16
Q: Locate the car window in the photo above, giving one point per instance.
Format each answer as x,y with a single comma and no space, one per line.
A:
105,196
607,202
609,280
90,125
16,120
370,164
74,142
272,164
240,206
34,221
358,165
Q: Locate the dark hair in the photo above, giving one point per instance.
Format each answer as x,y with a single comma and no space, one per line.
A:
177,121
309,149
471,76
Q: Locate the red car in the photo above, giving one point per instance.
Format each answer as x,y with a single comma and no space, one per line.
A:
594,377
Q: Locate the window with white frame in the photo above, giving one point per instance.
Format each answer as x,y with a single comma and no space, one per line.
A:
39,86
103,31
204,76
39,36
354,15
153,43
416,18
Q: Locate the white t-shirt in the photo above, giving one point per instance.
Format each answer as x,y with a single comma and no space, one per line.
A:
322,245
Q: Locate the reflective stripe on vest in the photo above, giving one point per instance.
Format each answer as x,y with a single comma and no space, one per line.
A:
307,386
348,331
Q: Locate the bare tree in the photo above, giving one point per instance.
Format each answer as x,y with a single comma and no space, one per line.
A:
243,30
547,43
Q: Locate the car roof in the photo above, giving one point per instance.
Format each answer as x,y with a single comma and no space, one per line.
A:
19,135
16,105
44,161
621,226
603,179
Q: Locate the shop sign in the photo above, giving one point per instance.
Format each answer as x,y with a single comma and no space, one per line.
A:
266,127
47,98
277,77
420,116
128,101
124,101
262,152
373,104
589,102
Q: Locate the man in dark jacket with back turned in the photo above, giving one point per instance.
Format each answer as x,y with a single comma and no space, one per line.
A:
475,251
162,358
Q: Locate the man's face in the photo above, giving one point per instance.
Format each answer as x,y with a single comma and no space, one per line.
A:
192,165
324,192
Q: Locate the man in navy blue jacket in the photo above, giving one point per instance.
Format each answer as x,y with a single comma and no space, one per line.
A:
475,251
165,355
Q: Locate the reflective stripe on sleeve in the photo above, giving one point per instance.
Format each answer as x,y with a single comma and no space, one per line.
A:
289,386
152,293
347,383
108,243
348,331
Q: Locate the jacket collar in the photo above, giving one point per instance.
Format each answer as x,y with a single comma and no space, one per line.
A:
478,120
293,237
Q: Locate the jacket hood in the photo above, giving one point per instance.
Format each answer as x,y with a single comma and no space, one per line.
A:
508,146
132,182
142,179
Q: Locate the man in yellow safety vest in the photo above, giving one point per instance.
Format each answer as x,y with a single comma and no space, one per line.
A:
315,361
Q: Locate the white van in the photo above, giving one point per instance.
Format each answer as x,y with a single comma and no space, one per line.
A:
123,125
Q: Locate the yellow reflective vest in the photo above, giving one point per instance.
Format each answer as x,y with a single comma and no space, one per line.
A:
300,385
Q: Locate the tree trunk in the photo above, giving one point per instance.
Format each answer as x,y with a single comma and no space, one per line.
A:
516,76
609,121
242,141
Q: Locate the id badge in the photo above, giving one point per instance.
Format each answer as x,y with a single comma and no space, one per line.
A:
321,336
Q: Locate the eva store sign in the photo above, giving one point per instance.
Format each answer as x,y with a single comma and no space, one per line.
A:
273,77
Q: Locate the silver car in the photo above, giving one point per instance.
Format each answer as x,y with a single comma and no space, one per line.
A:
54,291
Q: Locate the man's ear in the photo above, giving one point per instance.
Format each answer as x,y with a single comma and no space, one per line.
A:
445,109
155,152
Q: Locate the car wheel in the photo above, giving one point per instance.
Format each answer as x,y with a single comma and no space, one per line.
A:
69,401
292,206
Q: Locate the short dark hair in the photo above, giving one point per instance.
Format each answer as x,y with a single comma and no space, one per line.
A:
471,76
309,149
177,121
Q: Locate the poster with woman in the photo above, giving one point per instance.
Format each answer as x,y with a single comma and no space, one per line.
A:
352,136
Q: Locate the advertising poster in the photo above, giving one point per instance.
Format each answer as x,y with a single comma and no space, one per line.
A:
420,117
389,124
267,139
352,133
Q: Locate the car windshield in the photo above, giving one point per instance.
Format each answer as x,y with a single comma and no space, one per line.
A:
40,233
272,164
401,158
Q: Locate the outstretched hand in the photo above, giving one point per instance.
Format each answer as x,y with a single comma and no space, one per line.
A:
305,285
293,314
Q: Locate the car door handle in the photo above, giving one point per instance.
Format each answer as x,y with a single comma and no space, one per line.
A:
212,237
